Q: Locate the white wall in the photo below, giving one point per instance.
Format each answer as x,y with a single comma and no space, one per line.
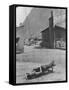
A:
4,44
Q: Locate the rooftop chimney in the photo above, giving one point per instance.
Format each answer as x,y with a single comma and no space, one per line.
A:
51,39
51,20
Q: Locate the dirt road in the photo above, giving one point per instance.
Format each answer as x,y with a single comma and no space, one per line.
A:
36,57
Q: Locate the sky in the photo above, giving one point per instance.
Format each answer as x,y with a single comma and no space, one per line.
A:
21,14
37,19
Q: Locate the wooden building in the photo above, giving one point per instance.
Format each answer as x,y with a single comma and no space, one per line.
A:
54,36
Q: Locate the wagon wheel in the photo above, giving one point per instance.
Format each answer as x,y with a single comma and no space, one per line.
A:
50,70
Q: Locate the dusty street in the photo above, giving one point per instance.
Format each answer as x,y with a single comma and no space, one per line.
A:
35,57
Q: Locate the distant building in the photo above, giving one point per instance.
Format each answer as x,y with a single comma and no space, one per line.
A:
19,39
54,36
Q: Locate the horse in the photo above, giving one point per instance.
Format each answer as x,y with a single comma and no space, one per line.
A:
48,67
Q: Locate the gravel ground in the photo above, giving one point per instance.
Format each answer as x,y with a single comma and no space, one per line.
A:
36,57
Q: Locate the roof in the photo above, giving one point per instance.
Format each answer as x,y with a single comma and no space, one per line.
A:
56,26
60,20
45,29
63,25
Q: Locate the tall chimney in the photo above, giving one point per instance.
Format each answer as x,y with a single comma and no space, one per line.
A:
51,20
51,36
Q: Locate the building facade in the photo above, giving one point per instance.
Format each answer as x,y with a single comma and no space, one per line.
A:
54,36
19,39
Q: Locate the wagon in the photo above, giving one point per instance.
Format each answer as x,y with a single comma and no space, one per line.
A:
35,73
39,71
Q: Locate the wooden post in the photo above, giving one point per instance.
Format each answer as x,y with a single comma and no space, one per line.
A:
51,31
